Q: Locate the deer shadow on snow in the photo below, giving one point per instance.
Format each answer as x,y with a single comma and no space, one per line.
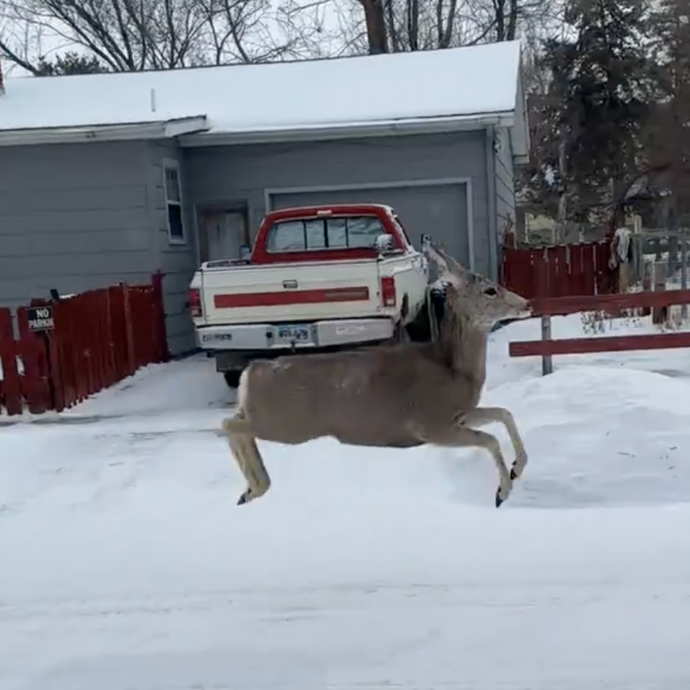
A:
399,395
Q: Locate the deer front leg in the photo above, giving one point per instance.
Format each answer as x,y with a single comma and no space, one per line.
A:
480,416
248,457
464,437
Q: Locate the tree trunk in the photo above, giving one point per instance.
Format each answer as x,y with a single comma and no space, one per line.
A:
376,26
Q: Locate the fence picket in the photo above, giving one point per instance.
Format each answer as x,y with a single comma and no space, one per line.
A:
558,271
32,351
10,382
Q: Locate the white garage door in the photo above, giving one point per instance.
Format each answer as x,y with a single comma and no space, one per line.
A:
437,209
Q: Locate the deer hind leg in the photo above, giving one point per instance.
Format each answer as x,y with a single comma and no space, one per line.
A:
463,437
486,415
248,457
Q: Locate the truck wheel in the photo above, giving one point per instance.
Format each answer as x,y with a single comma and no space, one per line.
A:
232,377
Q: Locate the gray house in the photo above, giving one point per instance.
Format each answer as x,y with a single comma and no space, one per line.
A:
110,177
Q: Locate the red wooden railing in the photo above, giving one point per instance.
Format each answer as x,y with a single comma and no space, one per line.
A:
99,338
559,271
547,307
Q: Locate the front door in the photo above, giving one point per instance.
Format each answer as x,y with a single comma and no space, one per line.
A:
222,233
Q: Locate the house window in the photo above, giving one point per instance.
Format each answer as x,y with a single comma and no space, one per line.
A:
173,201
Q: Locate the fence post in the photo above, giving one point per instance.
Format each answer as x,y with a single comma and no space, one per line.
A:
131,354
546,360
646,284
684,271
659,314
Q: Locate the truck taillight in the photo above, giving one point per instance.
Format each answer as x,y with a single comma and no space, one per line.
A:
388,296
195,303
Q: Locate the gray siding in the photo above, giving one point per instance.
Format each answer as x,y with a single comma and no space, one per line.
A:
72,218
177,261
505,182
226,174
83,216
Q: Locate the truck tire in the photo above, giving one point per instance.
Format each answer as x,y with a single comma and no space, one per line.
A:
232,377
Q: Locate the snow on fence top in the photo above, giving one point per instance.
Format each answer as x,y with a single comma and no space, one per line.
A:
469,81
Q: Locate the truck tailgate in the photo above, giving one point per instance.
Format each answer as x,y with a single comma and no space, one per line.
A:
289,292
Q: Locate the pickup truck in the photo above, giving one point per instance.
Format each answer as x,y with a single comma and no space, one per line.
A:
319,278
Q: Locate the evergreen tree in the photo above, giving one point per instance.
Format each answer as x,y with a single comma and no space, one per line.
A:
668,136
69,63
602,84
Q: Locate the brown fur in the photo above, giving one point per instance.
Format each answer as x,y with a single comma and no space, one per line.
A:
397,396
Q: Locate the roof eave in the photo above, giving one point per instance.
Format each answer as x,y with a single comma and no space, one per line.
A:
352,131
162,129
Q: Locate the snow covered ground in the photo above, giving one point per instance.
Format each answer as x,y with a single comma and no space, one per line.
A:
125,564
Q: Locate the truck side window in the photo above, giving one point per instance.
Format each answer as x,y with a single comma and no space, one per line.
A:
401,228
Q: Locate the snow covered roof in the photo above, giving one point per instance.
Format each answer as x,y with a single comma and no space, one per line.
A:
395,90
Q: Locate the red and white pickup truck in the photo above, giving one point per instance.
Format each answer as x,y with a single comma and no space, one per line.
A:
319,278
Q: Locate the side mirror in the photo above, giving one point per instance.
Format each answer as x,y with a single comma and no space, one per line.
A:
384,243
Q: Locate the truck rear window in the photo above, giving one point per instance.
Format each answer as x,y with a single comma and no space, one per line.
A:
352,232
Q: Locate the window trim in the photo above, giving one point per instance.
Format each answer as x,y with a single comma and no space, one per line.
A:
172,164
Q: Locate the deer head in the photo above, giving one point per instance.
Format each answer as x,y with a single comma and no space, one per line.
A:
472,296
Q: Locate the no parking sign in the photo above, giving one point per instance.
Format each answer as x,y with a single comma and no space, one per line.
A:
40,319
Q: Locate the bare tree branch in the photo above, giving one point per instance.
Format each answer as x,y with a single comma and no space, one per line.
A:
127,35
432,24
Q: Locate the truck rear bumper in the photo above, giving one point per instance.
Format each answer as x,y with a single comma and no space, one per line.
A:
262,337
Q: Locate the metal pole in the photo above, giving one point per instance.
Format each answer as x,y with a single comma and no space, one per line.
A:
684,272
659,314
546,360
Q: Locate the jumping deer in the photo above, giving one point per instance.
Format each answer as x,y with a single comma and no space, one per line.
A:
396,396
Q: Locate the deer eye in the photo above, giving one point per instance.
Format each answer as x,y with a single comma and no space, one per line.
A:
490,292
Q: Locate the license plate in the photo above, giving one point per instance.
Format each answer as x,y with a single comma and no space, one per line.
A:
293,334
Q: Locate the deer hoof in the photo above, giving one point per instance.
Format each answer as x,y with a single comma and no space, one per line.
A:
503,492
518,466
244,498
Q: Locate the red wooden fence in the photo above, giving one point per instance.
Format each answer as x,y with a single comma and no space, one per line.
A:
99,338
559,271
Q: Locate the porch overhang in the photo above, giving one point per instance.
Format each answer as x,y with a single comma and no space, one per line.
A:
356,130
160,129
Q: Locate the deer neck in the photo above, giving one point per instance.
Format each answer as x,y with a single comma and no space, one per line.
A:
465,349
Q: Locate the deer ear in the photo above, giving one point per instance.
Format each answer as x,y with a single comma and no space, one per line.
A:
435,256
444,261
458,269
449,270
